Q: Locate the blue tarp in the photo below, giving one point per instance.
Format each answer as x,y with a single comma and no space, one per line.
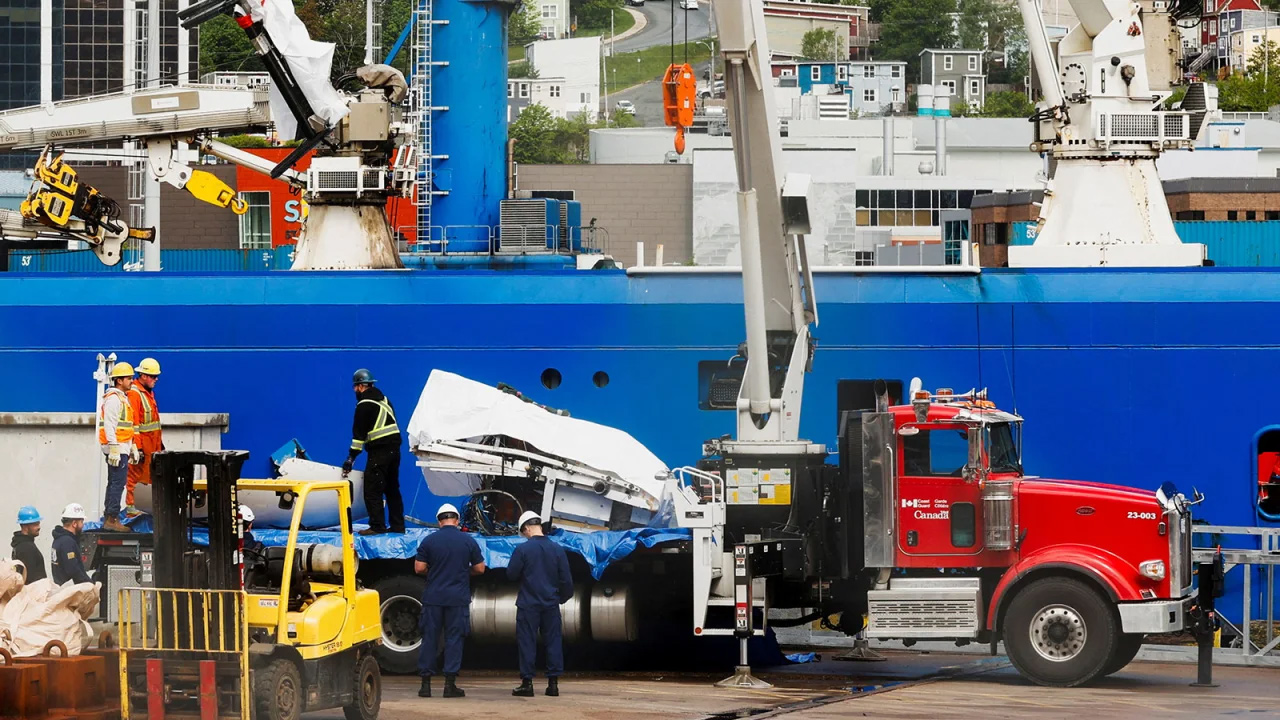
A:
600,549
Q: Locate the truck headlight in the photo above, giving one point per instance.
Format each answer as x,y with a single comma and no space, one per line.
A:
1153,569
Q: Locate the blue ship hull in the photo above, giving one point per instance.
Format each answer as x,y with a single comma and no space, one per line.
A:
1132,377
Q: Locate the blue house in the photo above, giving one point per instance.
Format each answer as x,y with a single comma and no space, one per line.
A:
874,87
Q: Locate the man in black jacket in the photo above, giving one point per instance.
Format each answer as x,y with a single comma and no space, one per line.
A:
375,431
24,544
66,547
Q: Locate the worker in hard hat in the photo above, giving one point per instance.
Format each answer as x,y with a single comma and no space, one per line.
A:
66,547
115,435
250,543
146,432
448,558
542,569
375,431
24,544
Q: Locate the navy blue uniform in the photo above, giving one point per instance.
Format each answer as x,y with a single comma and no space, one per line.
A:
446,602
542,569
66,563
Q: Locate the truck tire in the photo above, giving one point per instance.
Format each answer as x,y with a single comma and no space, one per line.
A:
367,698
1060,632
1126,650
401,601
277,691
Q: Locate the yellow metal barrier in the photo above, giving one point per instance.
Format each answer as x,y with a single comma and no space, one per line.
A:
183,624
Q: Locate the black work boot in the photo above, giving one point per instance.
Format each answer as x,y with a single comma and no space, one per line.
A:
553,687
450,689
525,689
425,690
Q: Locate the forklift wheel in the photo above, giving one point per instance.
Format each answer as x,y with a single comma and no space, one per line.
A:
368,691
277,690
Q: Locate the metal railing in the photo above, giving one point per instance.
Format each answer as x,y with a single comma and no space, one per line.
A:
488,240
699,480
1144,127
1267,556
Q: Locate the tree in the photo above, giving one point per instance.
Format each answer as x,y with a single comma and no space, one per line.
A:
524,25
995,27
535,133
819,44
913,25
1007,104
593,14
522,69
1258,88
880,8
225,47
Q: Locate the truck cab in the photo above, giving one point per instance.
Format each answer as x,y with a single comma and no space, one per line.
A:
960,544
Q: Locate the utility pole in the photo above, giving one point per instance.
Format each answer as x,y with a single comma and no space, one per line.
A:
368,32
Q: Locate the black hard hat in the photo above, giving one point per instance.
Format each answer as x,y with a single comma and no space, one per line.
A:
362,376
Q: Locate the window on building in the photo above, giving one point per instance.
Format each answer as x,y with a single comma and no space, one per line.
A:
842,73
255,224
524,90
815,73
1233,215
895,71
973,63
975,87
1256,39
869,71
1213,27
1251,215
549,11
869,95
950,86
1235,22
1271,215
554,91
788,72
864,257
584,98
1189,215
895,94
511,89
946,62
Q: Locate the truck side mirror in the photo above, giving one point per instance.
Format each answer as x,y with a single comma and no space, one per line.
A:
973,468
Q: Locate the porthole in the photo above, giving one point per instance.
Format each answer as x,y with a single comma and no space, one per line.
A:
551,378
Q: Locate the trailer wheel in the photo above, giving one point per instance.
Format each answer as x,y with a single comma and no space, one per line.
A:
1060,632
277,690
367,698
401,602
1126,650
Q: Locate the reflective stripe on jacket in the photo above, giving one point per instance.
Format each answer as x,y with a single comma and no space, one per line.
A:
115,419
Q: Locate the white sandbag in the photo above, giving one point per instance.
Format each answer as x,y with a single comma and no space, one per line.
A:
42,612
10,579
309,60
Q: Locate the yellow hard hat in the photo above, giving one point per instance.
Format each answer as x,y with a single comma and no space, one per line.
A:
122,369
149,366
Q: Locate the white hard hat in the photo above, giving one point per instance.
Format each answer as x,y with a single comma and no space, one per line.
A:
246,513
74,511
528,517
445,509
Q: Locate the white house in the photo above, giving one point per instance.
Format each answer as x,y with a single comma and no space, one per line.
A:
553,17
523,92
577,62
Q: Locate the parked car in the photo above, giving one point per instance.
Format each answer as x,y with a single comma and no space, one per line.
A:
689,4
636,3
625,106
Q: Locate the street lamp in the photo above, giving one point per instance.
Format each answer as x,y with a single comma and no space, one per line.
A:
711,46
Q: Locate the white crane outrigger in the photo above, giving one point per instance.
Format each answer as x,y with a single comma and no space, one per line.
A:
1104,204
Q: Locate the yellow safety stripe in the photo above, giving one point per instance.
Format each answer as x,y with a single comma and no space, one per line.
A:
150,421
126,418
357,444
384,426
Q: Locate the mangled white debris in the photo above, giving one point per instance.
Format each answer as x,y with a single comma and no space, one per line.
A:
469,436
33,615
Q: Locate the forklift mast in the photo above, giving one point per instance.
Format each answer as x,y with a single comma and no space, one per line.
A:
175,498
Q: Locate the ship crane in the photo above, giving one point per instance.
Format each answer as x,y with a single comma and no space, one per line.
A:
1099,120
364,152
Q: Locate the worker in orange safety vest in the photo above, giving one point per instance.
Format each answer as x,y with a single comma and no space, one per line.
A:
146,431
115,435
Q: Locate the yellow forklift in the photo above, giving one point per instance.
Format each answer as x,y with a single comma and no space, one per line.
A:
235,632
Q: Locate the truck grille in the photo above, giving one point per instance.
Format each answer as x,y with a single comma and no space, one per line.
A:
1180,553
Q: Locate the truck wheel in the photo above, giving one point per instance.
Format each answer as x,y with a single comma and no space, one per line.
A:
401,600
277,690
367,690
1126,650
1060,632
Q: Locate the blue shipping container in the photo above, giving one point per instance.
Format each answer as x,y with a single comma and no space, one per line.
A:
1228,243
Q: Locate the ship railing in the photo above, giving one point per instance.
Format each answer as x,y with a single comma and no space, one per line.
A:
1260,560
545,239
709,486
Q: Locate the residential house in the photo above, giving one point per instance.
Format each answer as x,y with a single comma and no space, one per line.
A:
225,78
1232,22
553,16
523,92
957,73
1240,44
786,22
872,87
577,62
1215,34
